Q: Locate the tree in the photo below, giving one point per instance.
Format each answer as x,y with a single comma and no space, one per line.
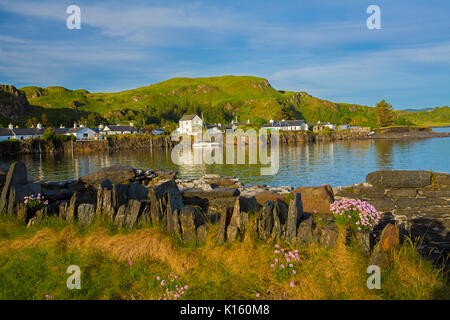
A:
384,114
44,120
31,122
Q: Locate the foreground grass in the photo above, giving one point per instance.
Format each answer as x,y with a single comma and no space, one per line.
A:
120,264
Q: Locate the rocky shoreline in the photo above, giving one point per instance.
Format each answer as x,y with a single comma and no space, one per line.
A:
416,202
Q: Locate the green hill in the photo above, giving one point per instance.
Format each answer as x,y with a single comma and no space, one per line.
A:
439,116
220,99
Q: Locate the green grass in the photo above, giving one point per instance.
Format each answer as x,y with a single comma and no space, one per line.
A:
33,264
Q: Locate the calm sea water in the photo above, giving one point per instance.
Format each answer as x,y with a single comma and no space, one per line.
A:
337,163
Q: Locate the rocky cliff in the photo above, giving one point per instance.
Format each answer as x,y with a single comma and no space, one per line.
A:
13,103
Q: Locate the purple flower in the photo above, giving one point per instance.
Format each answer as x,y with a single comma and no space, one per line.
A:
257,295
292,284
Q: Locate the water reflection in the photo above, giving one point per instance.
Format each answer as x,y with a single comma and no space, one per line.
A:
337,163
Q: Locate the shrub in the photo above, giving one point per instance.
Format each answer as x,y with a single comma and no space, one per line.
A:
356,214
173,288
35,202
285,263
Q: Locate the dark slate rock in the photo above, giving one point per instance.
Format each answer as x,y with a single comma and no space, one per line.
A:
442,179
305,232
187,223
238,223
364,237
224,221
119,220
265,220
132,212
211,194
248,204
389,242
279,220
86,214
399,178
295,214
201,233
17,175
116,174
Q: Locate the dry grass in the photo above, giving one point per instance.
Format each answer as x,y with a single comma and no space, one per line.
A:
241,270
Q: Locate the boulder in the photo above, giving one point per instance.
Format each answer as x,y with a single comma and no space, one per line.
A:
399,178
389,242
295,214
263,196
116,174
316,199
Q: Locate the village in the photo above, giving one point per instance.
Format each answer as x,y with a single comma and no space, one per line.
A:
189,124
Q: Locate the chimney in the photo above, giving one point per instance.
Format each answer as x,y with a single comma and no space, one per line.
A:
248,120
11,126
74,124
132,124
101,127
61,126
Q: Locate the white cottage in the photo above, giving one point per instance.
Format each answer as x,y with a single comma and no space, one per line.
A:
118,129
287,125
190,124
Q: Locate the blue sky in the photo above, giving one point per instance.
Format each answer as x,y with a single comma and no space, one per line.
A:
319,46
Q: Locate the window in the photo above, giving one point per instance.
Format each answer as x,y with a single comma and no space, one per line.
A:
85,135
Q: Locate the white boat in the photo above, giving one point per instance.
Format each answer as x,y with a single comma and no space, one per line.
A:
206,144
371,133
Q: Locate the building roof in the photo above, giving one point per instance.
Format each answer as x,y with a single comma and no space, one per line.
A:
121,128
286,123
5,132
61,130
74,130
27,131
188,117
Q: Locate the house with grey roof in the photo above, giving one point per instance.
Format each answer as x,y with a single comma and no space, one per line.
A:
118,129
190,124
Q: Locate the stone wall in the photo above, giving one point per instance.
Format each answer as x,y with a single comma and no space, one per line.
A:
418,201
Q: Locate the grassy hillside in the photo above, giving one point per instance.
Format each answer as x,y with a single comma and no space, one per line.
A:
433,117
220,99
